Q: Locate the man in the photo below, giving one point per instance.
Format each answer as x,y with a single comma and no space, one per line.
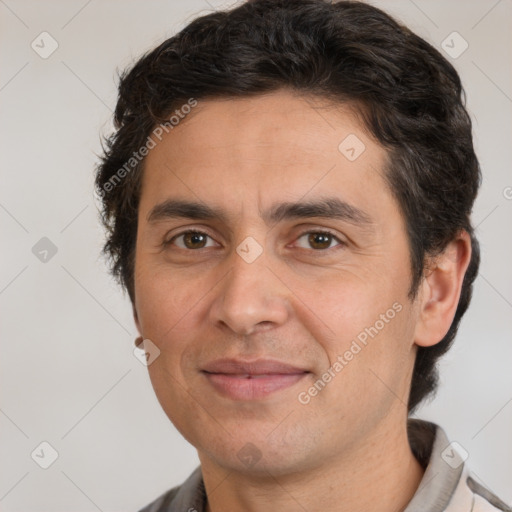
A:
288,198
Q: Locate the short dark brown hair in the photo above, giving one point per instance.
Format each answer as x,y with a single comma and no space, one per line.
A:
409,96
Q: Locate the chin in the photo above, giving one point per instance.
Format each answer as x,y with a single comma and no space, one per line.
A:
256,453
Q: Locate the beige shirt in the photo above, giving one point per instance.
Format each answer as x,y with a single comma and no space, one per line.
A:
447,484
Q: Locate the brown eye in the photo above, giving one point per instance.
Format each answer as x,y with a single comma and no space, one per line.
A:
318,240
192,240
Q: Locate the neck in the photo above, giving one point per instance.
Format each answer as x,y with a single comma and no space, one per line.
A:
382,476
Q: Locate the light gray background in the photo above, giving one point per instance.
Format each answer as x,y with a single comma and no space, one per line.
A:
68,374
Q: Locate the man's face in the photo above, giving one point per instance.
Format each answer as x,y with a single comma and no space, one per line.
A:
251,308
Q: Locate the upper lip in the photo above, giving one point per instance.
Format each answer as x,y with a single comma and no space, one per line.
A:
256,367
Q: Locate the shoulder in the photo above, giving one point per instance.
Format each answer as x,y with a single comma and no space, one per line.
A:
187,497
163,502
448,484
483,499
472,496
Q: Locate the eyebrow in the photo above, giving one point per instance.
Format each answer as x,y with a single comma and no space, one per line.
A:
327,208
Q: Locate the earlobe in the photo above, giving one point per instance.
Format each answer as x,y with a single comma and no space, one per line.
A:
440,291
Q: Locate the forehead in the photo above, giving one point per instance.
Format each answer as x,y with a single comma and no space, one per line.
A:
268,147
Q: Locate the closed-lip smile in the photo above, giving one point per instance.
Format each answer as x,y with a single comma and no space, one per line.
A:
251,380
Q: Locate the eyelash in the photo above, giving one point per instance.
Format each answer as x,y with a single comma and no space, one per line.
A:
341,243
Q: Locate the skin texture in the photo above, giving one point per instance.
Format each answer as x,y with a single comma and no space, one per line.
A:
347,448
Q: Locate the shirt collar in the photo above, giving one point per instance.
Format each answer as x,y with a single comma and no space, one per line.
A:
443,467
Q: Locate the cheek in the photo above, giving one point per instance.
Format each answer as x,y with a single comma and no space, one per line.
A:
366,330
370,363
345,305
164,300
168,312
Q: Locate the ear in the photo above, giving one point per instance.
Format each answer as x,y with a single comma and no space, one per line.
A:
440,291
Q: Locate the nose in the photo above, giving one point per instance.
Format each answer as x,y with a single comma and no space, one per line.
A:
251,298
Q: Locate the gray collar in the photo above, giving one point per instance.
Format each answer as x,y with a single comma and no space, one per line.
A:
443,467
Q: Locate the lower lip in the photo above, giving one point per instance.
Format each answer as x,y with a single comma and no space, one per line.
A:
237,387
